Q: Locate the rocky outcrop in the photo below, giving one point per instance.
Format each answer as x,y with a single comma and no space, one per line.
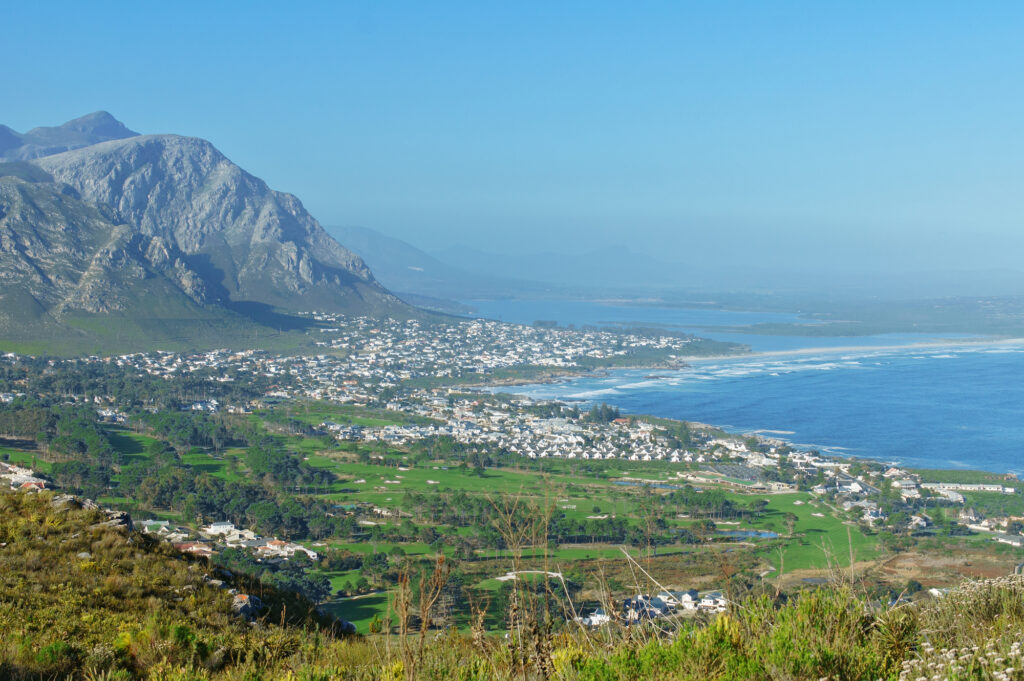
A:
69,255
118,520
251,243
247,605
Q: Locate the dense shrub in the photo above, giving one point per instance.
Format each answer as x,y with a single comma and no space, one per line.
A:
79,601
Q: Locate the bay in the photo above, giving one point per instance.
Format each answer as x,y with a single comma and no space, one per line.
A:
917,400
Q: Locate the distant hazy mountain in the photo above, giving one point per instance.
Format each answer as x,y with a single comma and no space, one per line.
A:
464,273
405,269
162,225
614,268
81,132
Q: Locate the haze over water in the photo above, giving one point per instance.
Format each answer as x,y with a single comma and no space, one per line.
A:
957,405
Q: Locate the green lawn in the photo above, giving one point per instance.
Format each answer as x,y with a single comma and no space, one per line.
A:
970,477
338,578
816,540
115,501
360,610
131,446
24,458
315,413
386,485
218,466
995,504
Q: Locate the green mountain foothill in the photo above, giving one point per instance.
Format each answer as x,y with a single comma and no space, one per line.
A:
86,596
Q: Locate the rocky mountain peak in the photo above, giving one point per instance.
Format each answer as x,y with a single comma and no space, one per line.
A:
102,220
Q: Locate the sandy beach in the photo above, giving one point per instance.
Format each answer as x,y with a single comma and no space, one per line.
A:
846,349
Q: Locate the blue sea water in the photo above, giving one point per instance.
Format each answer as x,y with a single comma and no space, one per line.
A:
701,322
959,405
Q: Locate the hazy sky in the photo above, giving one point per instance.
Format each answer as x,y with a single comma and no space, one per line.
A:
867,134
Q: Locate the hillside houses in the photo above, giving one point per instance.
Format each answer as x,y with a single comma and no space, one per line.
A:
221,535
376,354
533,437
18,477
665,604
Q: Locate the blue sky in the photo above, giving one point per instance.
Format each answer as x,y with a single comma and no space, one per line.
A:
866,135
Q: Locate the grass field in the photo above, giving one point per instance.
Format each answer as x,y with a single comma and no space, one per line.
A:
821,539
995,504
818,542
315,413
338,578
970,477
228,465
131,446
360,610
25,458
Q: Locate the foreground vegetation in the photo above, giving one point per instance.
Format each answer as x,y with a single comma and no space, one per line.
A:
453,560
84,600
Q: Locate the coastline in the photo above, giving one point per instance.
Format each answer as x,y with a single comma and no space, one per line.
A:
766,431
845,349
555,376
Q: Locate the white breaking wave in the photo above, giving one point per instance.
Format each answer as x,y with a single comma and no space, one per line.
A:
590,394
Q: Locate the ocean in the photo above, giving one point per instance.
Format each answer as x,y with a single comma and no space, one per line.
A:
892,397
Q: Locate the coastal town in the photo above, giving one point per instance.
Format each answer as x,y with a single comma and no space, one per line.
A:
383,362
450,387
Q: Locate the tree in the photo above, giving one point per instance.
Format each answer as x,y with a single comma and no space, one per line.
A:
899,521
703,529
262,514
315,588
299,562
603,413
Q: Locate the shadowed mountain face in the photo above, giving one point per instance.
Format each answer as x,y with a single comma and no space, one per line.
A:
67,254
103,228
249,242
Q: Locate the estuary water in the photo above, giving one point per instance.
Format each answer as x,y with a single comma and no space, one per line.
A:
914,399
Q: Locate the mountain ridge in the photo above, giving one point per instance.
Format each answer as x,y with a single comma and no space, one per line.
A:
141,223
83,131
186,191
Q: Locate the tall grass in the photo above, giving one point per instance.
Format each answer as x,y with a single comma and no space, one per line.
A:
83,602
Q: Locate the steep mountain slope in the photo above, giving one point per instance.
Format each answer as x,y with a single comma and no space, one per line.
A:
62,258
157,238
249,243
81,132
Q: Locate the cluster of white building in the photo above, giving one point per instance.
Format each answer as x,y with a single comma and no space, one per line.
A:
224,534
21,478
664,604
369,354
512,428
